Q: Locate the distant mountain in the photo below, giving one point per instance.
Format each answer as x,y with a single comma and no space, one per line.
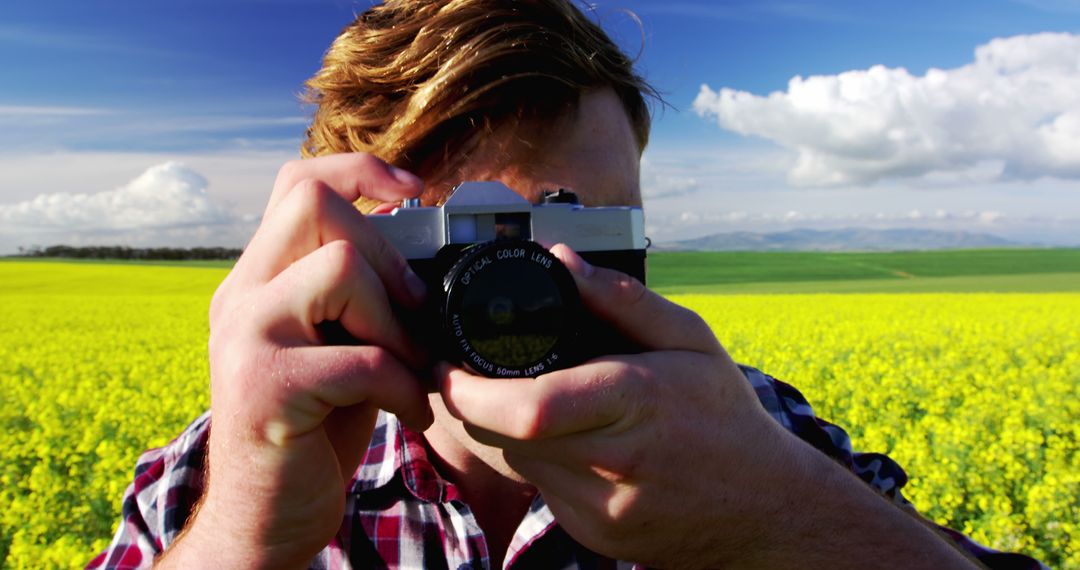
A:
848,239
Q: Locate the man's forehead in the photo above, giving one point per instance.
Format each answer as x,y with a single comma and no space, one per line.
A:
592,151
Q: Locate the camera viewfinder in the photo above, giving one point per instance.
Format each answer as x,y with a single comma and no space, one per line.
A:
514,225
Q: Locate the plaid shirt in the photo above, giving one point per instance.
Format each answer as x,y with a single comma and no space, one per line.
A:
399,513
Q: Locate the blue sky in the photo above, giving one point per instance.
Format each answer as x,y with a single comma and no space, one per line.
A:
189,106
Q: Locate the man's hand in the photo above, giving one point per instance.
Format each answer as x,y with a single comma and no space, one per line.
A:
292,417
667,458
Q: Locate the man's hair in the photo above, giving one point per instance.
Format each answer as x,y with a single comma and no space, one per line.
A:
419,83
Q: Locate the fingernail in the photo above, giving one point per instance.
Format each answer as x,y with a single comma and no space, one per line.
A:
404,176
576,263
414,284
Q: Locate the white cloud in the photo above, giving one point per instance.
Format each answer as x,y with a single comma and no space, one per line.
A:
239,179
167,205
1013,113
167,195
657,185
695,173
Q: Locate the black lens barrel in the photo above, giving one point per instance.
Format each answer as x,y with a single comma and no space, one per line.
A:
511,309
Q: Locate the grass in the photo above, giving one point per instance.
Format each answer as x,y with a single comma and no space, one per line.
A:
1023,283
990,270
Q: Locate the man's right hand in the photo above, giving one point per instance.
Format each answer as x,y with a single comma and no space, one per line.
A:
292,417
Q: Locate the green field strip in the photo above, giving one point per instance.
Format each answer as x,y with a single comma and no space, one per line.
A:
684,269
972,262
861,263
1005,270
1022,283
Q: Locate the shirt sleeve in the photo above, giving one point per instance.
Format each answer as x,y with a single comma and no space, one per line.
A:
787,406
156,505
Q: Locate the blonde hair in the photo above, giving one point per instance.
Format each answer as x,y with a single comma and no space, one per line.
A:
418,83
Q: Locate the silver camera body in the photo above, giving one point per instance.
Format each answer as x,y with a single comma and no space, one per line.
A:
498,300
482,211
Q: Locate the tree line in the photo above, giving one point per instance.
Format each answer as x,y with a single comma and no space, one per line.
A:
124,252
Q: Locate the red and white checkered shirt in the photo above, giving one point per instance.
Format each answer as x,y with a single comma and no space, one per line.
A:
399,513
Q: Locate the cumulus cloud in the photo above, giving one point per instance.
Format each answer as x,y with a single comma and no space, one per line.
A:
656,183
1013,113
168,195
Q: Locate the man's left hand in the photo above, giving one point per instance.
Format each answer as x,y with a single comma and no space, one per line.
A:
640,456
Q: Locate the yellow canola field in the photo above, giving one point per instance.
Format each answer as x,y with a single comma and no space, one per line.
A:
975,395
97,363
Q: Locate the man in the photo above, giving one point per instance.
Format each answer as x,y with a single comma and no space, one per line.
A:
674,457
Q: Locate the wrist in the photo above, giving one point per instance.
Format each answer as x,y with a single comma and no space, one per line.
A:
833,518
206,543
242,522
216,537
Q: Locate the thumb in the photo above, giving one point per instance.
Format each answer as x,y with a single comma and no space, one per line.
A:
638,313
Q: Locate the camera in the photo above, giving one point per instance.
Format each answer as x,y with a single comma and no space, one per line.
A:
498,301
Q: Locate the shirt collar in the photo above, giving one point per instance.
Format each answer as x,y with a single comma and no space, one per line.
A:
396,450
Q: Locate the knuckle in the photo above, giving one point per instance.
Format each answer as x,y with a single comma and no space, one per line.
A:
377,358
313,195
693,321
698,328
343,259
529,423
365,160
289,170
628,290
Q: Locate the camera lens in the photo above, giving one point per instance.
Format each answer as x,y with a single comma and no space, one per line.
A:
511,309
